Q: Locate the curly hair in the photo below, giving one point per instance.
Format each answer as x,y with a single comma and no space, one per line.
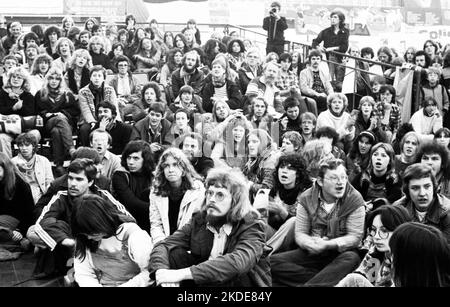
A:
80,53
43,57
230,46
22,72
161,186
294,161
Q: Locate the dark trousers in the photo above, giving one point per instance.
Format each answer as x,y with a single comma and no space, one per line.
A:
85,130
299,268
278,48
61,134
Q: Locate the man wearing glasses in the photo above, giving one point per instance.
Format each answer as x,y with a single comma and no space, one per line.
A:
223,245
328,229
124,83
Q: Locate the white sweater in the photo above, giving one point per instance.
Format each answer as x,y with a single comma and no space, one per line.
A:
139,249
425,126
327,119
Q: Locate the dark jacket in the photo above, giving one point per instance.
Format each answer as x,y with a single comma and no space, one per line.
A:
244,262
60,184
196,81
7,103
53,225
120,133
275,35
390,187
20,206
69,77
133,191
67,105
330,39
100,59
438,213
202,165
235,100
141,132
246,75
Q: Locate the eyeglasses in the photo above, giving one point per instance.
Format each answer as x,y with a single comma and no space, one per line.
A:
382,232
219,196
122,65
336,179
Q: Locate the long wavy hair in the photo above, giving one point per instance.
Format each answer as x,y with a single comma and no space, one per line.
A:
68,41
62,88
92,216
43,57
18,71
171,59
81,53
161,186
234,182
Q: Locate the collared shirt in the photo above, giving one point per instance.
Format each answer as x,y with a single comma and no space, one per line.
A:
220,239
123,86
395,119
110,163
153,135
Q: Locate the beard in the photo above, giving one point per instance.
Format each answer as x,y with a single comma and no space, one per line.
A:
216,221
189,70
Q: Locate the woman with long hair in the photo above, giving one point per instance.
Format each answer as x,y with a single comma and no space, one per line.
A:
409,147
147,56
262,157
259,115
380,179
59,109
421,256
168,39
40,67
51,36
16,99
177,192
131,185
230,147
174,61
16,203
97,49
77,75
111,250
180,42
66,23
376,268
442,137
236,53
65,49
359,156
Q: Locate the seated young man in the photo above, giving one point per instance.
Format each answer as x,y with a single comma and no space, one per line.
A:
308,123
191,144
120,132
52,230
60,184
221,246
329,227
101,141
315,83
153,129
422,199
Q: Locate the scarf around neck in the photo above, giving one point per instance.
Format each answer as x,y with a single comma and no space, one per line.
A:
97,92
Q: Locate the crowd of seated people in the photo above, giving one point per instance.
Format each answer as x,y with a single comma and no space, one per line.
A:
225,167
